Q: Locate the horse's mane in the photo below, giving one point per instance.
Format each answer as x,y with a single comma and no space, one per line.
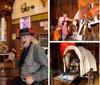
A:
95,3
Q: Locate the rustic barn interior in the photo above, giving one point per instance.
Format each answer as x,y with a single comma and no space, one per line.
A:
70,7
14,14
57,67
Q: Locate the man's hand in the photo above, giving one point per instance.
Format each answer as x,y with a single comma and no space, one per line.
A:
29,80
11,55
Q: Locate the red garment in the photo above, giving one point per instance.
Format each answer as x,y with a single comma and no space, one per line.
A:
63,46
56,35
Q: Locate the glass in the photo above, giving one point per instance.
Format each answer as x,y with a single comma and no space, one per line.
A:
3,29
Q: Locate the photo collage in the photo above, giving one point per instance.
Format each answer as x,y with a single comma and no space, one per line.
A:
74,42
49,42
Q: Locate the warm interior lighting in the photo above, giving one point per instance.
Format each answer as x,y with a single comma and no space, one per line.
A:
44,2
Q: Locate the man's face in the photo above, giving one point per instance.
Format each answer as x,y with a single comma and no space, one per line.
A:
25,40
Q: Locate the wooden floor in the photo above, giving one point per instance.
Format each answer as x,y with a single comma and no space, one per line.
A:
8,74
96,81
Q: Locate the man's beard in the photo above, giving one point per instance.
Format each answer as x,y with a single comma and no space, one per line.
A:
24,43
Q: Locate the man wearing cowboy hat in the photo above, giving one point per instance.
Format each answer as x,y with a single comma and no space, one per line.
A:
33,61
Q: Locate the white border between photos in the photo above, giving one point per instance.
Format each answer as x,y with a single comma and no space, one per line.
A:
63,42
48,42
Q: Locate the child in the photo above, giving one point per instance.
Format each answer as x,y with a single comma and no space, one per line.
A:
64,17
64,30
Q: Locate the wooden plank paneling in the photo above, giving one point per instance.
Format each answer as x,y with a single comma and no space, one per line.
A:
36,28
37,17
57,8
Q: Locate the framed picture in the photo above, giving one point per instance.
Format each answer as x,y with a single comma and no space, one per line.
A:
43,40
25,22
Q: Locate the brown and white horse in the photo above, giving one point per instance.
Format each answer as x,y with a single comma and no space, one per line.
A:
87,16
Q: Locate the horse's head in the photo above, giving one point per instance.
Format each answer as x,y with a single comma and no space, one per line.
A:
88,12
93,10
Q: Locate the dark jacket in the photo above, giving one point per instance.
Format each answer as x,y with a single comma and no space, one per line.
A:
35,64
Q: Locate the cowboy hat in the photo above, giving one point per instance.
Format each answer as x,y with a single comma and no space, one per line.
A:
24,31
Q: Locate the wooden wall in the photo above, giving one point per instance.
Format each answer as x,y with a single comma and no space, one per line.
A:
38,8
6,11
68,6
57,8
35,27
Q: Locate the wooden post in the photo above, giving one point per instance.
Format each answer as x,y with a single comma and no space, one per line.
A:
9,35
91,77
2,27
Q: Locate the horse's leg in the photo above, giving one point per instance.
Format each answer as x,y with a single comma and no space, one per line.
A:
80,27
84,29
84,32
96,18
75,24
